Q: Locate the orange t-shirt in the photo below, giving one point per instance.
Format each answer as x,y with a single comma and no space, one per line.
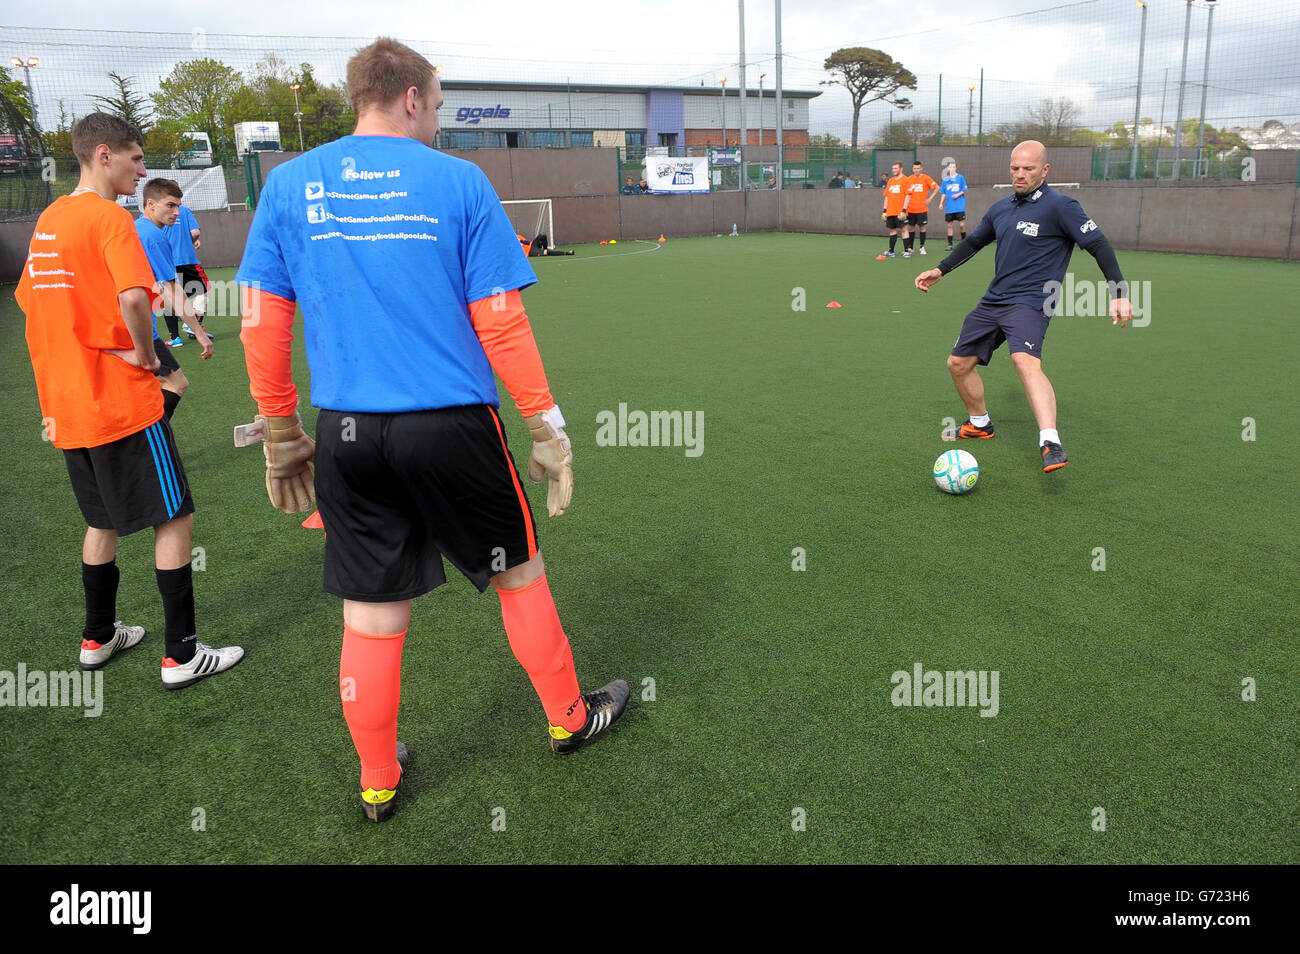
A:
84,253
918,187
896,194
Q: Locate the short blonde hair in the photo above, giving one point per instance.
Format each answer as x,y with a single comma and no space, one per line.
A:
385,70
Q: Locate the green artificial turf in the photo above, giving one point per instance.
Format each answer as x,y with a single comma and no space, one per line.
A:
1119,689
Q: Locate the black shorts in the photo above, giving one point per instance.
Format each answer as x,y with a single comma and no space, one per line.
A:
194,281
895,221
167,362
1023,327
918,218
135,482
954,217
397,492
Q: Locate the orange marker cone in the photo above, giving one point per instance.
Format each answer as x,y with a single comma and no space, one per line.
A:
834,304
662,239
603,242
314,522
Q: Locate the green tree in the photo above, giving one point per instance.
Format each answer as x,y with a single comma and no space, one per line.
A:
869,75
125,103
15,107
269,96
327,114
203,95
58,141
1224,141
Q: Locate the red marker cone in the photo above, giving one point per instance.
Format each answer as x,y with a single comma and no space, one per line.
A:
834,304
314,522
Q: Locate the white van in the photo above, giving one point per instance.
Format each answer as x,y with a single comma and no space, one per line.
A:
200,151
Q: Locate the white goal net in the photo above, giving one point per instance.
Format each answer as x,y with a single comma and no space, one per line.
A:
531,218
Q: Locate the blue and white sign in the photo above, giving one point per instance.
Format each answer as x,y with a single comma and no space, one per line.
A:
666,175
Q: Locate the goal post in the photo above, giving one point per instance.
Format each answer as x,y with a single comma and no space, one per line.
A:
531,217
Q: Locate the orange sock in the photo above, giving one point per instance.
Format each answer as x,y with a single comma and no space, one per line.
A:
370,685
541,647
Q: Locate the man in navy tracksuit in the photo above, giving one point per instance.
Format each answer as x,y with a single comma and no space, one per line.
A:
1036,229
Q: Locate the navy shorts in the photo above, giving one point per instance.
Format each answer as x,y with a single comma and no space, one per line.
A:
954,217
167,363
398,492
1023,327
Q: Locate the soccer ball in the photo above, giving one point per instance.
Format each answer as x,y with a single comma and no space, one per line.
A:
956,472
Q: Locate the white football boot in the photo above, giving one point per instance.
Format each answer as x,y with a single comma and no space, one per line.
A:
206,662
94,655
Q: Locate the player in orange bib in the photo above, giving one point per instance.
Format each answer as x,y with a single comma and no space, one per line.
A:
921,190
895,210
86,291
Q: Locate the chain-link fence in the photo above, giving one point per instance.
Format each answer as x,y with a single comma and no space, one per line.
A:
1234,94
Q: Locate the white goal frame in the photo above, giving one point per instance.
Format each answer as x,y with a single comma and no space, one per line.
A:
545,217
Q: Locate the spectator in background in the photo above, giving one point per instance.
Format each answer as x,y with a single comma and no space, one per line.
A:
849,183
629,187
771,182
837,181
643,187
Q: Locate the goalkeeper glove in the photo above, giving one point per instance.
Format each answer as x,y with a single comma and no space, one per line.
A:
552,456
290,481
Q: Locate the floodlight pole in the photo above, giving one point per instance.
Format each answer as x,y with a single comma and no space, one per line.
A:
1160,132
744,133
780,118
1205,88
761,77
981,106
27,62
1182,82
297,112
724,112
1137,102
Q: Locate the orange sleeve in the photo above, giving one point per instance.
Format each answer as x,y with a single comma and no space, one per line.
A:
268,350
507,338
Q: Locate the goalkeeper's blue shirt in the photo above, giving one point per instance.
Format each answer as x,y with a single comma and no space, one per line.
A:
159,252
1036,235
384,242
180,239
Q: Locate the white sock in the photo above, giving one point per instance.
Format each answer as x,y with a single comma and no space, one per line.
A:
1049,435
980,420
